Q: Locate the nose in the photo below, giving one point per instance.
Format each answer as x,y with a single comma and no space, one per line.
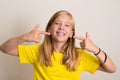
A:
61,26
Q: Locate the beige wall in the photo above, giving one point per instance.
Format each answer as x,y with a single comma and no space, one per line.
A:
101,18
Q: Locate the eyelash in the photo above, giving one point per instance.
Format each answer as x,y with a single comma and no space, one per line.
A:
57,23
67,25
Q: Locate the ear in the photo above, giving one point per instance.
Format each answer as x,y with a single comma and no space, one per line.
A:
71,34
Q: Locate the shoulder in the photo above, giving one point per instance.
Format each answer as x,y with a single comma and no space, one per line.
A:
87,57
30,46
81,51
84,53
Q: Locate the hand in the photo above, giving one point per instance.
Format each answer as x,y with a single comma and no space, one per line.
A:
35,35
87,44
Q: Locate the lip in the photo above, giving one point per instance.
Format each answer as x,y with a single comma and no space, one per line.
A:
60,33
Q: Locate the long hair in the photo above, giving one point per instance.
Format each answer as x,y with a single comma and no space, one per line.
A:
70,59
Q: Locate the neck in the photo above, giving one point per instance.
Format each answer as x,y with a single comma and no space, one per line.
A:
58,46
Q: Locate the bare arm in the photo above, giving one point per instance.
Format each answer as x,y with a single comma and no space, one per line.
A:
106,63
11,45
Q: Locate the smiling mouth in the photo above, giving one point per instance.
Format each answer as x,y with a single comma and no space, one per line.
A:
60,34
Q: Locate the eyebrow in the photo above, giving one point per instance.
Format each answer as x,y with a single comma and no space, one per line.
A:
65,22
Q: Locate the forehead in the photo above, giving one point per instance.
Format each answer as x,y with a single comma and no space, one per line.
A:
65,18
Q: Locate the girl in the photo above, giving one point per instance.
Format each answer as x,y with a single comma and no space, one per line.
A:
57,58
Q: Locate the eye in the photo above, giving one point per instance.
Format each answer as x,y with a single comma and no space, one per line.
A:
56,23
67,25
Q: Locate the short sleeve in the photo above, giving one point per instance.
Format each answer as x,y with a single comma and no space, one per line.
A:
29,53
90,62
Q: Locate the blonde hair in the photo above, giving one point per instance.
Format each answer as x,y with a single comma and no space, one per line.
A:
70,59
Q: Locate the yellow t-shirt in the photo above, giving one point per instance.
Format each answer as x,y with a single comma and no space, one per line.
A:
30,54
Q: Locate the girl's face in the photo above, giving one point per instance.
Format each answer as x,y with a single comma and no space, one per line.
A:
61,28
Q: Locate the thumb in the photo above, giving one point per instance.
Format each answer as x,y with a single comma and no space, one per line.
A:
87,35
36,27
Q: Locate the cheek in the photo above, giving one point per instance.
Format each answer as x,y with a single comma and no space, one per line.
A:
53,30
70,33
69,30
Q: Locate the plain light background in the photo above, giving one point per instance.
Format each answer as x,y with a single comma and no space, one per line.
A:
100,18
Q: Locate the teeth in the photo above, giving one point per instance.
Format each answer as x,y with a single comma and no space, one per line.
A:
60,34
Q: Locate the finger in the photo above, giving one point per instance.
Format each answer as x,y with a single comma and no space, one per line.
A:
36,27
82,44
87,35
37,40
45,33
79,38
